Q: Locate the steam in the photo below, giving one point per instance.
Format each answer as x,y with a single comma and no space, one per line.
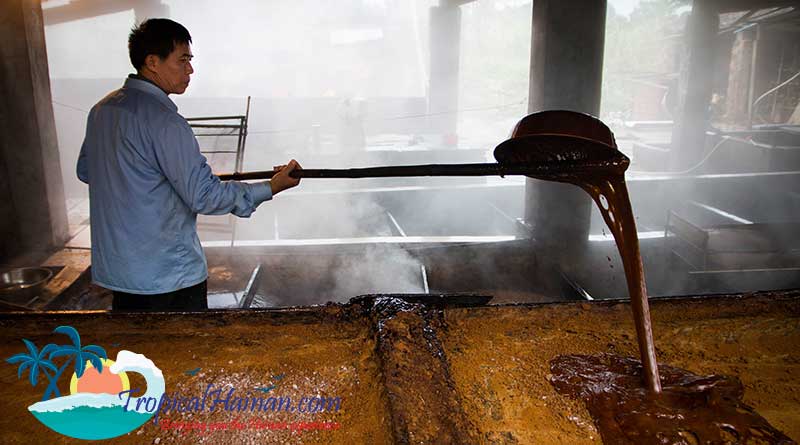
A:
341,87
380,269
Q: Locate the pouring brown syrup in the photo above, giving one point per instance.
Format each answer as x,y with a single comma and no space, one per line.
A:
688,409
565,136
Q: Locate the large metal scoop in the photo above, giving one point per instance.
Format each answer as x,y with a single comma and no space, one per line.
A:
553,145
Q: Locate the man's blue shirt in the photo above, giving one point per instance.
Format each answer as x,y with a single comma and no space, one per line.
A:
147,183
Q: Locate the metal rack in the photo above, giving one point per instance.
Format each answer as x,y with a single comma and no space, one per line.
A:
237,129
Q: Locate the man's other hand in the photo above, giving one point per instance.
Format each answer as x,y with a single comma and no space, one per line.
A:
281,180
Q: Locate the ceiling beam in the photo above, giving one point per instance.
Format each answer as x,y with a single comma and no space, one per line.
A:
454,3
83,9
746,5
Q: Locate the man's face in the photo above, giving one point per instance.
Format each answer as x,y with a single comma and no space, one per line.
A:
172,74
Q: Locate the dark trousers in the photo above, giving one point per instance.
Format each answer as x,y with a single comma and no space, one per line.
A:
192,298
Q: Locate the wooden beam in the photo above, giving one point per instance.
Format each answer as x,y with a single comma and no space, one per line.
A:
82,9
454,3
746,5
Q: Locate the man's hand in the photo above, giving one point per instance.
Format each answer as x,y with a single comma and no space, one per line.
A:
281,180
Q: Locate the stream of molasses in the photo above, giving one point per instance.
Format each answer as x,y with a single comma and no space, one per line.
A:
688,409
602,175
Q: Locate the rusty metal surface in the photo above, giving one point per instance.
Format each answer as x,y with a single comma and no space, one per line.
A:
411,373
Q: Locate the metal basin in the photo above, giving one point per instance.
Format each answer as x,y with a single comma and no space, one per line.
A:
19,285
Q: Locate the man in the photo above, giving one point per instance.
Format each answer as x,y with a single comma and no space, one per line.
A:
148,181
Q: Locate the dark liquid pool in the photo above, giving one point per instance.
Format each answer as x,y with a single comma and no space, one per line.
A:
690,410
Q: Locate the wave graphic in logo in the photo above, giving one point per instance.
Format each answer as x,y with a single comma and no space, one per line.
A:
91,415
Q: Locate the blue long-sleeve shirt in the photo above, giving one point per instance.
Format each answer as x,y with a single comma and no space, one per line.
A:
147,183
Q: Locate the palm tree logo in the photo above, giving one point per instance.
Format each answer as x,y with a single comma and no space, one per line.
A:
94,408
36,361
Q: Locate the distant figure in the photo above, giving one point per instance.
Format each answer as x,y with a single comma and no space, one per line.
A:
148,181
794,119
351,125
669,101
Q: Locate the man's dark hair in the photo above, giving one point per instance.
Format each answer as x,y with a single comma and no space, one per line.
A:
155,36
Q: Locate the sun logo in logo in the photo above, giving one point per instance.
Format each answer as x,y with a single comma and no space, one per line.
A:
94,380
93,409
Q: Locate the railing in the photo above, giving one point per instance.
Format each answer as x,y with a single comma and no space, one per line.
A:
237,129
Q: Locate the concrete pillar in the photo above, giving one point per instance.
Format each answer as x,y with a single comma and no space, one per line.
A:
566,73
737,96
445,36
695,86
32,206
